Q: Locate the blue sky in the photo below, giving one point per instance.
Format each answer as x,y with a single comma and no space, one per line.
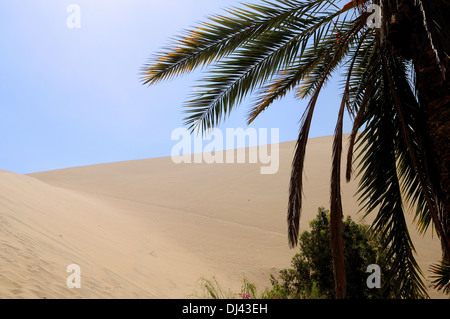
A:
73,97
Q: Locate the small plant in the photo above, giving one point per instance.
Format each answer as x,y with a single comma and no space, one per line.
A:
248,290
245,296
211,289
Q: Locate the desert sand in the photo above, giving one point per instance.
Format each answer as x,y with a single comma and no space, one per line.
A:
153,228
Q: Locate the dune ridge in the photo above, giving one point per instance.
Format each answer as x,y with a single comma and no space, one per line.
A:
152,228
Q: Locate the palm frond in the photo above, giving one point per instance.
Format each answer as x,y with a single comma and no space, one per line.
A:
408,134
380,188
222,35
233,78
336,212
357,88
441,275
256,63
296,183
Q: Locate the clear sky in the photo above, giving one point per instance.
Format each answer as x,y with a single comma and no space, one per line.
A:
73,97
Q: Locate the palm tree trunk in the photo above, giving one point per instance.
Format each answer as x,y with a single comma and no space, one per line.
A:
434,94
433,85
410,37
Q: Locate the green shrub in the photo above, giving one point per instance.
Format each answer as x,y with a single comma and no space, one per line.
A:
311,275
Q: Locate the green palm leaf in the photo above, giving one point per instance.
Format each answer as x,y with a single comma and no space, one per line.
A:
222,35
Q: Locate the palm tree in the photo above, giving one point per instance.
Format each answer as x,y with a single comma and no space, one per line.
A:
395,88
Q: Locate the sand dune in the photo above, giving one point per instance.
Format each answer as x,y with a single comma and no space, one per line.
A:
152,228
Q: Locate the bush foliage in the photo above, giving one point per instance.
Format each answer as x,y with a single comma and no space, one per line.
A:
311,275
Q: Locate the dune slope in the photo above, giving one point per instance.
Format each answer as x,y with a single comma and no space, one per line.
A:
153,228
